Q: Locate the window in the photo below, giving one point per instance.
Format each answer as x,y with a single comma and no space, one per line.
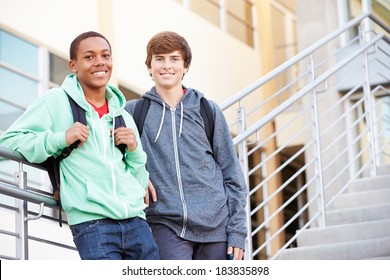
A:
59,69
20,83
239,20
18,77
233,16
18,53
208,9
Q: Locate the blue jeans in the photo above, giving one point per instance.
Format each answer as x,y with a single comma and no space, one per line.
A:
108,239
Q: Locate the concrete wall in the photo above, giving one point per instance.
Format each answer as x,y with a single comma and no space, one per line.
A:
222,65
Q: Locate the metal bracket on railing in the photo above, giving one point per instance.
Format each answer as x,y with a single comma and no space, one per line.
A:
324,89
250,143
41,207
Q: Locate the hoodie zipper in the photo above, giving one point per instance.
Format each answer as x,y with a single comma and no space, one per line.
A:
113,178
179,181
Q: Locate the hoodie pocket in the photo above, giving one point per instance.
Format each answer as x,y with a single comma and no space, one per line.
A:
123,200
100,191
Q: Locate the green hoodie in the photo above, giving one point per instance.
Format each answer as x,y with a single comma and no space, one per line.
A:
96,182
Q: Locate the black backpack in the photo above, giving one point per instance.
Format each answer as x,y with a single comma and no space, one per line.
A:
52,164
206,111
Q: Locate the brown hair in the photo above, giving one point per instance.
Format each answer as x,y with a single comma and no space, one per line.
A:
167,42
76,42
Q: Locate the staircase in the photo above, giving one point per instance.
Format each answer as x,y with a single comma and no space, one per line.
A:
306,156
358,225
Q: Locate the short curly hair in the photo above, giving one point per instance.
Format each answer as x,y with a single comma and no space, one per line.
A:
76,42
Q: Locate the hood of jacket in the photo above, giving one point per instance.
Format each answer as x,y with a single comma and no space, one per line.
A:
190,101
116,100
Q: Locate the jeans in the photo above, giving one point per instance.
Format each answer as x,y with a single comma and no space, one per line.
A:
173,247
108,239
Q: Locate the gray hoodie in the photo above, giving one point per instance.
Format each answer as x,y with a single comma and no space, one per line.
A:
201,191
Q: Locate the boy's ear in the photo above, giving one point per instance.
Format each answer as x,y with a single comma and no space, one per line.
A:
149,70
72,66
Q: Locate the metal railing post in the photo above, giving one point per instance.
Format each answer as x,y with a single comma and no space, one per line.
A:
317,147
243,158
368,103
21,226
264,172
351,135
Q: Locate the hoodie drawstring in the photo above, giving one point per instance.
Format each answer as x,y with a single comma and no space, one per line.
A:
161,123
181,118
112,134
93,129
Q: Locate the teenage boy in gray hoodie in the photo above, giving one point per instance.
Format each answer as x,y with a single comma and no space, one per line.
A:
199,212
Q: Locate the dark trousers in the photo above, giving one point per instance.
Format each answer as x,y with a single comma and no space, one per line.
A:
173,247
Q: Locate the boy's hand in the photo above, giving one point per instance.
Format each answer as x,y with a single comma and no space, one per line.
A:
124,135
77,132
150,191
238,253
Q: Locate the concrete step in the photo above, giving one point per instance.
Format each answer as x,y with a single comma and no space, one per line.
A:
361,198
370,183
358,214
381,258
344,233
381,170
354,250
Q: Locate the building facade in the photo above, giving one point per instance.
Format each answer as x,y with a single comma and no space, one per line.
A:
234,43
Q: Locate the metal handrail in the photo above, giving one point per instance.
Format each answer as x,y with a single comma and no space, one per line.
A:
16,156
299,95
272,74
26,195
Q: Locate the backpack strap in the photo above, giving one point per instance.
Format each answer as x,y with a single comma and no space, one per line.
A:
206,111
52,164
207,114
140,111
78,116
120,122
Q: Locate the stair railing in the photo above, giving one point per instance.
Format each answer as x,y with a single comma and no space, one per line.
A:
28,204
335,132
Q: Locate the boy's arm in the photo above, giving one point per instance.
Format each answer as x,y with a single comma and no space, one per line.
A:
32,134
135,156
225,155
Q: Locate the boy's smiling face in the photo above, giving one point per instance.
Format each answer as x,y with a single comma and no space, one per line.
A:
167,70
93,64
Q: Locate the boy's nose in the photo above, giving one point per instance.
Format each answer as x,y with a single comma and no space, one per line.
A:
99,60
167,64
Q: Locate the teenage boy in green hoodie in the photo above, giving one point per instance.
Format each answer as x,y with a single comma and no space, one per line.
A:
102,190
